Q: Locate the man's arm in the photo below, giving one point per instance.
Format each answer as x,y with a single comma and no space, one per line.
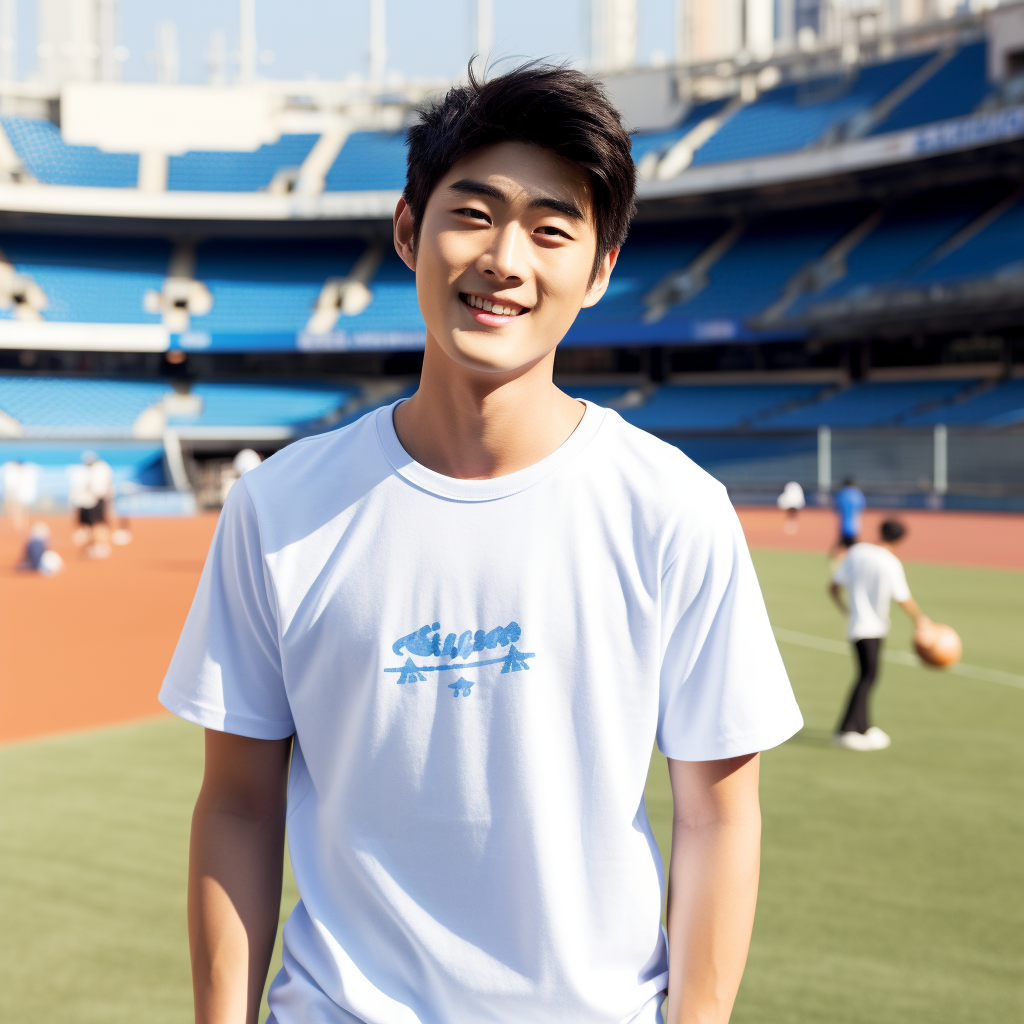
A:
913,609
236,859
836,591
716,854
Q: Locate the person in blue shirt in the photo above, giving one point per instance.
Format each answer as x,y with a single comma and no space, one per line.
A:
850,502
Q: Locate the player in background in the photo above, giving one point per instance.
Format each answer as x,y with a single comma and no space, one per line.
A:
451,632
873,577
849,503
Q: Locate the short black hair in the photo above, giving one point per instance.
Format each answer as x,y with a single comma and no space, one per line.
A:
892,530
556,107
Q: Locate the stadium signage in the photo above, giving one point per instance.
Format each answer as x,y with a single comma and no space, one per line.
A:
361,341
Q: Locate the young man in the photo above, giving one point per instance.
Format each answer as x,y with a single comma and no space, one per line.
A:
452,631
873,576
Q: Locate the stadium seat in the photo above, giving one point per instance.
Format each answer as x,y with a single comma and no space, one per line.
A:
201,171
369,160
675,407
264,405
49,159
873,403
54,407
954,90
658,142
997,247
998,406
791,117
91,280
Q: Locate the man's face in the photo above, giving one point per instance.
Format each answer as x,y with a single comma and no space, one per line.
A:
505,256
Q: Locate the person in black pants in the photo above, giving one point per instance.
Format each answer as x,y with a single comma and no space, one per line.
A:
856,718
873,577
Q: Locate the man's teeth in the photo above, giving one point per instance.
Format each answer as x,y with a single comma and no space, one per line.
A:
490,307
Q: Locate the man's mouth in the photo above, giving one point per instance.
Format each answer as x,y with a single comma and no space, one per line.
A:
489,310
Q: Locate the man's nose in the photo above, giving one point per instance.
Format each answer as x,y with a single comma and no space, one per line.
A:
504,260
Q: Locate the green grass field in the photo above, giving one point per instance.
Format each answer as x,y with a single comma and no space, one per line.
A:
892,885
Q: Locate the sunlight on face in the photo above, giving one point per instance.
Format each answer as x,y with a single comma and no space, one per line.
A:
505,256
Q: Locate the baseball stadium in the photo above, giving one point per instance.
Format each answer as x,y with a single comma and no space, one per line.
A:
823,289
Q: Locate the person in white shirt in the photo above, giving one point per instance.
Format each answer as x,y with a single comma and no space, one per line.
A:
873,577
441,642
91,493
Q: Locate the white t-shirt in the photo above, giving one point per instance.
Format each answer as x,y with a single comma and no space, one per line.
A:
475,672
873,576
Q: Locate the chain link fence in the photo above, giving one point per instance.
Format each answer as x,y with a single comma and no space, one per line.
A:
953,466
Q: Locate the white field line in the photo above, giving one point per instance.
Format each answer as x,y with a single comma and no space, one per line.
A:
821,643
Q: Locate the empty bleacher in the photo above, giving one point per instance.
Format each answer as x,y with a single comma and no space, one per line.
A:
660,141
872,403
956,89
50,160
54,407
263,405
200,171
679,407
369,160
1001,405
997,247
90,279
268,287
791,117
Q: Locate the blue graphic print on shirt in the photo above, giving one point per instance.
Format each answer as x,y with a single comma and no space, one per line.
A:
425,642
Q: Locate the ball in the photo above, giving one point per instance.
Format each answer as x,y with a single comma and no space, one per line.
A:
938,644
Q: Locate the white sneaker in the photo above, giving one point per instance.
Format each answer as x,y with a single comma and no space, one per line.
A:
879,740
853,741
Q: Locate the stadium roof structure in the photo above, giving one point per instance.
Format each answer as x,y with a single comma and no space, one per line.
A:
818,194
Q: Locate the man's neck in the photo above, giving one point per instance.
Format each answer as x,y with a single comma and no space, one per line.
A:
473,425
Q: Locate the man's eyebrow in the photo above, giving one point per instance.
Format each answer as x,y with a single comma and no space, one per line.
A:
470,186
478,188
562,206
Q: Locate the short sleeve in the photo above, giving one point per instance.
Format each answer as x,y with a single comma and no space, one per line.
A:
724,688
900,588
226,670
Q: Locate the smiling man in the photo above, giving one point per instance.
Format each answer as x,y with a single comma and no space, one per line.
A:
441,642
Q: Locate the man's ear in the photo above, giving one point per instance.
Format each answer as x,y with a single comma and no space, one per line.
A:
600,283
405,228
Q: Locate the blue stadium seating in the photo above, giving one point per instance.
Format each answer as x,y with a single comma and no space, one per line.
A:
650,252
873,403
394,306
752,274
994,248
646,142
52,161
236,172
791,117
910,231
369,160
676,407
264,405
262,287
91,280
954,90
1001,406
599,394
71,407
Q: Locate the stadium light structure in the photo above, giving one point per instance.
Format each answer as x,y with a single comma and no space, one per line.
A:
484,31
378,42
247,49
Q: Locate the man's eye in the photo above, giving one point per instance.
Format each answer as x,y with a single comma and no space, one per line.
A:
550,230
468,211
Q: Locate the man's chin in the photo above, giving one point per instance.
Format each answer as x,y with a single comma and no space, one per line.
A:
490,354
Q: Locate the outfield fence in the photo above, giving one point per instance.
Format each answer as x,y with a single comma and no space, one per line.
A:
931,466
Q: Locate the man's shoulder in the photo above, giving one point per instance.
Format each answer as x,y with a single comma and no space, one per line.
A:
656,471
332,462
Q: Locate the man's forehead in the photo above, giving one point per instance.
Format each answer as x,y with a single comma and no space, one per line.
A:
522,173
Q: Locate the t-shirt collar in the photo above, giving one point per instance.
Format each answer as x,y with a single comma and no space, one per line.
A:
482,490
